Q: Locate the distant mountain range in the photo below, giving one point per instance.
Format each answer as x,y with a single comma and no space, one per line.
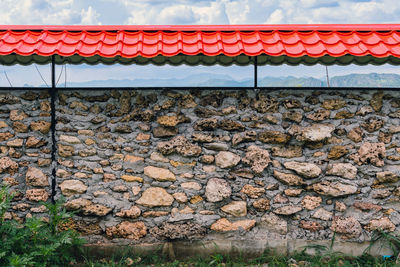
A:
211,79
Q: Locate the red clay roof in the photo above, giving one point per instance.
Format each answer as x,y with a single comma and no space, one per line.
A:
230,40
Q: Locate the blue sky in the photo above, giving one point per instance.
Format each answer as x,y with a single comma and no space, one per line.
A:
121,12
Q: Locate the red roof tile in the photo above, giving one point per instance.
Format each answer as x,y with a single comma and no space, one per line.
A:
149,41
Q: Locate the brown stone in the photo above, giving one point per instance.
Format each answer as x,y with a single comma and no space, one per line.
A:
37,195
322,214
8,166
129,230
230,125
385,137
202,138
273,137
133,212
155,197
382,224
293,192
225,159
333,104
164,132
307,170
224,225
10,181
18,127
367,206
314,133
262,204
159,174
217,190
311,226
17,115
287,151
33,142
288,210
154,213
311,202
265,103
65,151
205,124
347,227
344,114
372,124
41,126
247,136
168,121
87,152
387,177
5,136
334,189
207,159
132,158
180,145
274,224
376,101
356,135
340,206
319,115
257,158
370,153
288,178
77,204
96,210
336,152
35,177
345,170
129,178
252,191
180,197
72,187
236,208
293,116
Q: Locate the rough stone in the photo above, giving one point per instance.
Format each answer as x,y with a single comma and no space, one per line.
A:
205,124
168,121
367,206
8,165
69,139
217,190
191,186
336,152
262,204
293,116
288,210
247,136
319,115
72,187
164,132
129,230
224,225
230,125
383,224
347,227
236,208
41,126
183,231
287,151
273,223
133,212
35,177
288,178
33,142
180,197
387,177
333,104
334,189
376,101
257,158
225,159
311,226
65,151
370,153
322,214
313,133
202,138
180,145
96,210
345,170
311,202
130,178
252,191
265,103
159,174
372,124
356,134
273,137
77,204
155,197
37,195
307,170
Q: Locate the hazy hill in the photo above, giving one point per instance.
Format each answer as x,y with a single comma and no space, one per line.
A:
211,79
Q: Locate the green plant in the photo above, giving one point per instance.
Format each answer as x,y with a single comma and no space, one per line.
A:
36,242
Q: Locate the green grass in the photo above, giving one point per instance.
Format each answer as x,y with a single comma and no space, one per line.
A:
298,259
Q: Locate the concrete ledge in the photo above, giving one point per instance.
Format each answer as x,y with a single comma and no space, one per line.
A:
239,248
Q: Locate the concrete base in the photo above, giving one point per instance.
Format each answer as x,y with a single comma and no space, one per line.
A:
236,248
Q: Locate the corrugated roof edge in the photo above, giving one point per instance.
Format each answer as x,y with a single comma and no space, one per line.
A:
249,27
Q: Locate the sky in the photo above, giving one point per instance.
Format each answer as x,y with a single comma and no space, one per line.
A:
179,12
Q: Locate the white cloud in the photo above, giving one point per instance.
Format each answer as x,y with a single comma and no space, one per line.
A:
89,16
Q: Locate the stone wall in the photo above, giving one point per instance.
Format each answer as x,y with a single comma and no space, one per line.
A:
148,166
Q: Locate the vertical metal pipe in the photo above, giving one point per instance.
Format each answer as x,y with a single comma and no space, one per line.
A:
53,96
255,72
